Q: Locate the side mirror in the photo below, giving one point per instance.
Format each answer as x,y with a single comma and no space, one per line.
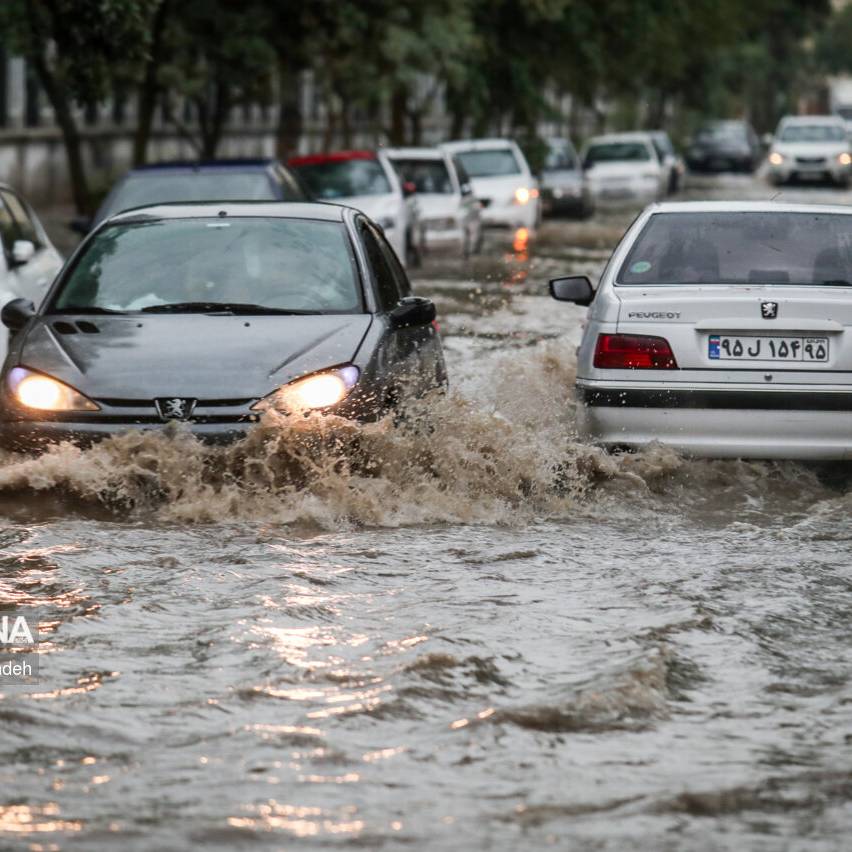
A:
22,251
80,225
466,189
409,188
17,313
413,311
573,288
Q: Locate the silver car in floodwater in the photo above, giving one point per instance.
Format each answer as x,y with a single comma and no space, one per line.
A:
722,330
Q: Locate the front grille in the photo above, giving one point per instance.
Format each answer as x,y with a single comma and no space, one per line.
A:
810,161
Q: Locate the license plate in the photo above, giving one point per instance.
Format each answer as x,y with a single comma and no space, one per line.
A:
725,347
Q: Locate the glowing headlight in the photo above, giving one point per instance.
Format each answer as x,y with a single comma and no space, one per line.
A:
36,390
522,195
844,159
776,159
321,390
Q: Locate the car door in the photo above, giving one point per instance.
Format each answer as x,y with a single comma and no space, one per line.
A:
31,279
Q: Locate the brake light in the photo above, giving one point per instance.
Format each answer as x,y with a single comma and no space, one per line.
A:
633,352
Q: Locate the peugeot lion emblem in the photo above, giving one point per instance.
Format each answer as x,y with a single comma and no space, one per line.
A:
769,310
175,409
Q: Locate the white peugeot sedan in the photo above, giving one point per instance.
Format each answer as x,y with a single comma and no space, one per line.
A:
722,330
812,147
502,181
449,214
28,260
624,167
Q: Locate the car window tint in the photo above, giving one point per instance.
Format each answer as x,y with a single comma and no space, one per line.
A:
490,162
330,179
26,227
745,248
403,285
386,283
8,227
614,152
429,176
279,263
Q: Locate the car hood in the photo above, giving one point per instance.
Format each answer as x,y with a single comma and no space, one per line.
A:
811,149
197,356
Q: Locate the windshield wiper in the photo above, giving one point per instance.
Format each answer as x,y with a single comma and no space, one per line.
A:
220,307
85,309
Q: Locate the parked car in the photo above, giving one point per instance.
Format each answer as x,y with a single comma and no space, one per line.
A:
206,180
28,260
724,146
502,181
213,314
564,188
624,167
367,180
722,329
672,162
450,216
813,147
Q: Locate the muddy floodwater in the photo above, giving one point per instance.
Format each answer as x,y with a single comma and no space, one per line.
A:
482,634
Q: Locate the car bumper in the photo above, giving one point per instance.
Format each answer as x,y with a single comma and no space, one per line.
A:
35,436
510,215
794,171
721,423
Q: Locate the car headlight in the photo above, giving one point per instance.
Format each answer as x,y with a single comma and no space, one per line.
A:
44,393
776,159
387,223
844,159
320,390
522,195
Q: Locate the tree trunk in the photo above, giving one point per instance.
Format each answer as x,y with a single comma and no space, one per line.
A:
399,103
290,121
149,89
71,136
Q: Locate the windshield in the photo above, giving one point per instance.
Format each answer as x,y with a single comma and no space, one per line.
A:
742,248
812,133
344,178
734,132
281,264
490,163
560,159
143,189
614,152
429,176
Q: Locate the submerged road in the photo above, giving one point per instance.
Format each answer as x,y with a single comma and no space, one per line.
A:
496,637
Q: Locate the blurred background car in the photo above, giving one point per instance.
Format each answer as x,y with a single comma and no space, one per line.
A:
449,213
367,181
724,146
672,161
28,260
206,180
502,181
812,147
624,167
564,188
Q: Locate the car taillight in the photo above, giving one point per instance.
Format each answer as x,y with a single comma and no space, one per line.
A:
633,352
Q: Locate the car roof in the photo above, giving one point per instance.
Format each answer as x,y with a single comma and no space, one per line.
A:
635,136
811,119
269,209
746,207
478,144
331,157
235,164
415,153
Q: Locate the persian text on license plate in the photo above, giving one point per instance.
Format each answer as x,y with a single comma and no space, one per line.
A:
725,347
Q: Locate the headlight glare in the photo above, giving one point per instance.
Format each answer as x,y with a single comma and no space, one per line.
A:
318,391
776,159
44,393
522,195
844,159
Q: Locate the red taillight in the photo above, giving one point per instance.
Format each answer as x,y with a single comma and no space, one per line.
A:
633,352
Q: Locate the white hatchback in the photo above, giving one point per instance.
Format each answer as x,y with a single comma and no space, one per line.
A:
624,167
502,181
28,260
722,330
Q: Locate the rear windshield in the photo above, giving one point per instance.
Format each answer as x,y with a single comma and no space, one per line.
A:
141,190
300,265
429,176
334,179
812,133
490,163
617,152
742,248
733,131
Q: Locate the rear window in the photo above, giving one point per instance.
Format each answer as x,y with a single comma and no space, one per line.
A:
617,152
333,179
490,163
741,248
141,190
429,176
812,133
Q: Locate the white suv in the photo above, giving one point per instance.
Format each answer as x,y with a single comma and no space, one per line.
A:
811,147
502,181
